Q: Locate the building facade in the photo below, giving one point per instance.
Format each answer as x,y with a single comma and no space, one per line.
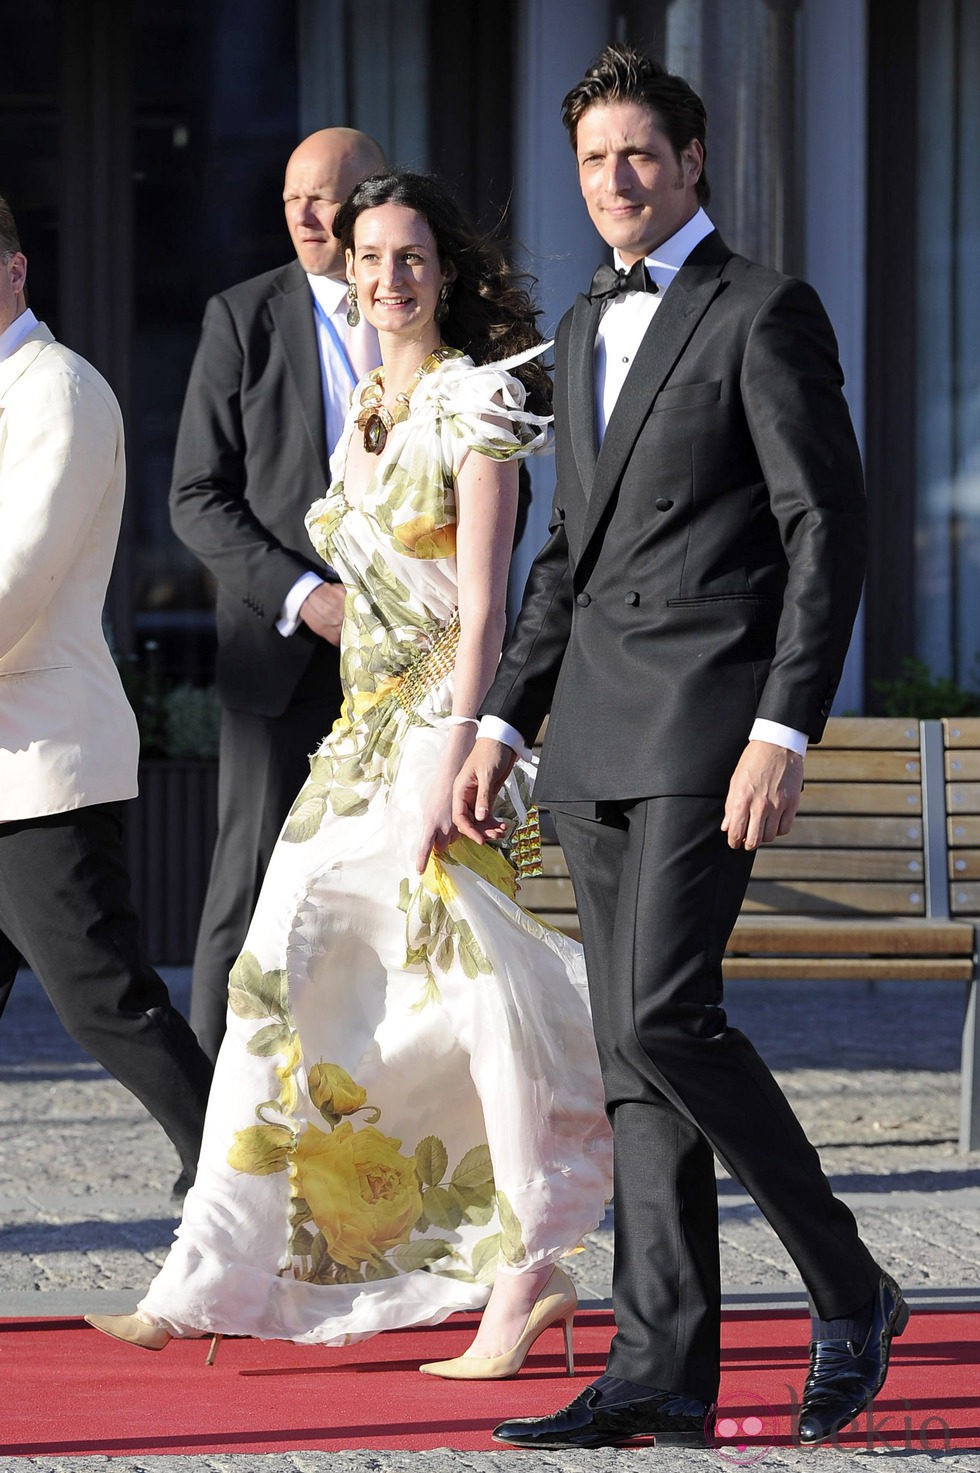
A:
144,142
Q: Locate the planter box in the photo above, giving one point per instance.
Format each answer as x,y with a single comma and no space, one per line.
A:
170,834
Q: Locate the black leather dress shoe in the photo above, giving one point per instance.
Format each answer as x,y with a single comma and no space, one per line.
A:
845,1377
590,1421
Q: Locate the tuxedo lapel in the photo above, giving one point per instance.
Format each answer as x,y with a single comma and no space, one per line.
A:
663,343
581,389
291,309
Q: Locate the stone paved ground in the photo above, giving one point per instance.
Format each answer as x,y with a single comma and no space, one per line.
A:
872,1071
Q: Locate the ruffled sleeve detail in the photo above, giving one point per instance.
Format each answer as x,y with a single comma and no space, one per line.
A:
457,408
482,408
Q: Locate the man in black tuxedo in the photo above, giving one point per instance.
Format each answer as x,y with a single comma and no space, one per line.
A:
685,626
265,405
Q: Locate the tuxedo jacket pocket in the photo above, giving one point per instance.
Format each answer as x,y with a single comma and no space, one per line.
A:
687,396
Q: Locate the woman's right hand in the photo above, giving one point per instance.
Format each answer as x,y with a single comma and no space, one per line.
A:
438,830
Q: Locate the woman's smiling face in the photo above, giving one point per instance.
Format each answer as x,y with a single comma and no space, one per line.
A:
396,268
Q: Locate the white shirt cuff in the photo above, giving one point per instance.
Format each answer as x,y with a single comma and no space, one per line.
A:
288,621
778,735
499,731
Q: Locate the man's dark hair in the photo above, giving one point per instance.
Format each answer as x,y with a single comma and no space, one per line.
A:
620,74
9,239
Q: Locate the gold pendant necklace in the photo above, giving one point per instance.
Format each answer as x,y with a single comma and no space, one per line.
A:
376,420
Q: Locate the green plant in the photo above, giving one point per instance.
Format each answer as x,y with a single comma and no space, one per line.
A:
919,693
192,719
174,720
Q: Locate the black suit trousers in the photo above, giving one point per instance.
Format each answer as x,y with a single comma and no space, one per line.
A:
65,909
263,763
658,892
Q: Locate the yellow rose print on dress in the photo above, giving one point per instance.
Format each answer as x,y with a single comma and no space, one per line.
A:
363,700
485,861
261,1150
334,1092
436,935
286,1074
363,1194
423,539
361,1209
437,880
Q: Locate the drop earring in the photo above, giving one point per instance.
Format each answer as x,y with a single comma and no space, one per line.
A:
353,311
442,306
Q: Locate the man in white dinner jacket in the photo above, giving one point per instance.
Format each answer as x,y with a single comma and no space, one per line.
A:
68,738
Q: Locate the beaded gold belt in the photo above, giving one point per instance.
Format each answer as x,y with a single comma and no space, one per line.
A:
525,846
429,667
425,671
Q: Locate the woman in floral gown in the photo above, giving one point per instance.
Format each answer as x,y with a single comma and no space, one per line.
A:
407,1107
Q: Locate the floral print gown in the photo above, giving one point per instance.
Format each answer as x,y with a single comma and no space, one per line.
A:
408,1097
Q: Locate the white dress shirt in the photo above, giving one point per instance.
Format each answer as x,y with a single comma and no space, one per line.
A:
338,376
626,318
624,321
15,332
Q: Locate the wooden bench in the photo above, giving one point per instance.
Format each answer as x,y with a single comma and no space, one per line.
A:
878,879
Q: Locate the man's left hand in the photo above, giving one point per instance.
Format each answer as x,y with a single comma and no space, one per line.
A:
323,611
763,795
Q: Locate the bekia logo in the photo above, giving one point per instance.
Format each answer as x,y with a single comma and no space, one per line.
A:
743,1434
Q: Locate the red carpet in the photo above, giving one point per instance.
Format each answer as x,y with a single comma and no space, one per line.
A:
69,1391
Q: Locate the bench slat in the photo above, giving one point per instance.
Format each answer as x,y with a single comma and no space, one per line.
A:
962,798
847,969
878,798
802,935
963,831
777,862
861,766
870,731
963,766
964,900
836,831
964,864
962,731
543,894
805,897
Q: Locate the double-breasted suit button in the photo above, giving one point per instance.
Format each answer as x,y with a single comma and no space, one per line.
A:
583,600
662,503
632,597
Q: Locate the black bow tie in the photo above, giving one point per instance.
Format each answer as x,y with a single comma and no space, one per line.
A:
608,282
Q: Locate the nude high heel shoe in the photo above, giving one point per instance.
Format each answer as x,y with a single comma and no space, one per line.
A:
131,1329
134,1331
555,1304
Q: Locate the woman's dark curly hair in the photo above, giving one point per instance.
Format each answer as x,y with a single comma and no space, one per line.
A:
491,314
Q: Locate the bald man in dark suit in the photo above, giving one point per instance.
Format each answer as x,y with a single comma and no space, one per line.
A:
264,407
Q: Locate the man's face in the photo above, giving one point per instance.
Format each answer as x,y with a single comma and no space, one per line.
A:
319,177
637,191
13,274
